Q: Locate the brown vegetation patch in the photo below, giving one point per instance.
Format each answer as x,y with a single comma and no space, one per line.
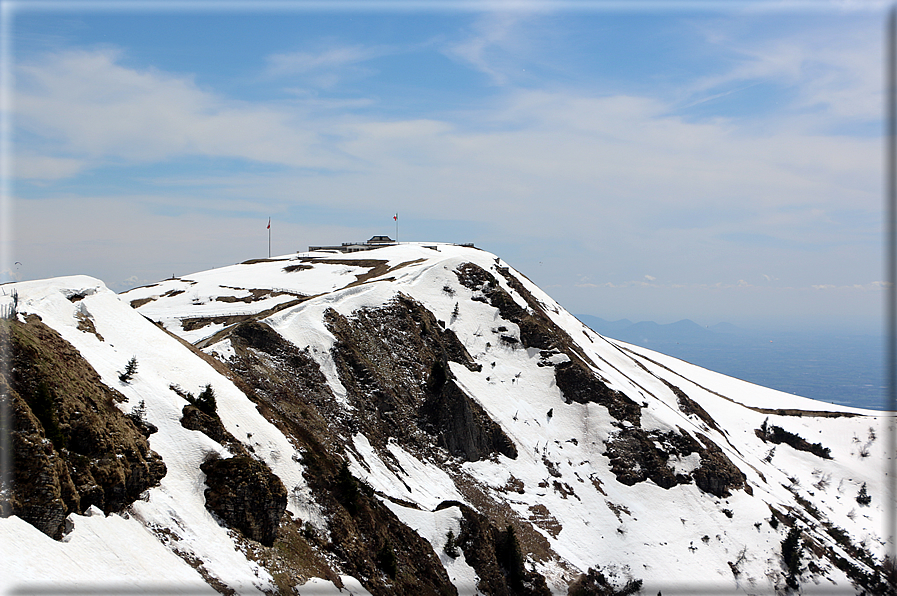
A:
618,509
194,323
298,267
85,324
542,517
141,301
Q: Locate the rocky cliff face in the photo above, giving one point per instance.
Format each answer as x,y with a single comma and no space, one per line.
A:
71,446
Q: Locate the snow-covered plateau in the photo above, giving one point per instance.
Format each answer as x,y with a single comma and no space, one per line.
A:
415,419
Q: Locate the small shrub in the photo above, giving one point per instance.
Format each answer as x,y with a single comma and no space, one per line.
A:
206,401
863,497
130,370
386,560
138,414
791,551
451,547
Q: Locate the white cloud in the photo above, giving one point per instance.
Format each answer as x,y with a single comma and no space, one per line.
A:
304,62
832,69
492,46
96,110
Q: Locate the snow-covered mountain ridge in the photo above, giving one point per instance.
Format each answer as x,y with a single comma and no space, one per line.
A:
440,425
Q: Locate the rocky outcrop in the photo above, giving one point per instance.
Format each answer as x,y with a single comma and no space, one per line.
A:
72,447
394,363
246,495
192,418
636,455
364,537
582,386
577,382
495,555
717,474
463,427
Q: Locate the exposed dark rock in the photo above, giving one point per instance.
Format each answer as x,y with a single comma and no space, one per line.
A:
72,447
496,556
690,407
636,456
594,583
464,428
246,495
368,539
583,386
535,331
289,389
574,377
717,474
192,418
394,363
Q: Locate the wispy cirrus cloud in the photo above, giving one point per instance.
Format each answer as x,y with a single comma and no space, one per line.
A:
830,70
327,67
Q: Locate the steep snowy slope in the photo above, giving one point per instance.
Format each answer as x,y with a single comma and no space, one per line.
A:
437,389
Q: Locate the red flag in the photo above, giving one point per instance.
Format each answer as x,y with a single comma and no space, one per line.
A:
269,223
396,217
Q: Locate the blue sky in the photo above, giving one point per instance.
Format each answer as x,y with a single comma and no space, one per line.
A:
718,162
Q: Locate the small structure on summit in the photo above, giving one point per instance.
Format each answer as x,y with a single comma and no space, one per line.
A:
374,242
378,242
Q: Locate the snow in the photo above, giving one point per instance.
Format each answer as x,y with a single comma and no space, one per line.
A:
640,531
100,552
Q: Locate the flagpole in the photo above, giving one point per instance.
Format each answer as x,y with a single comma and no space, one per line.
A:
397,228
269,237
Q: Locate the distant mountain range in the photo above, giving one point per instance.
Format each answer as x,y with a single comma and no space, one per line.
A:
680,331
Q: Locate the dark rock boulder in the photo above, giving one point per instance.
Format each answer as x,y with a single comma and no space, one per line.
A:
192,418
246,495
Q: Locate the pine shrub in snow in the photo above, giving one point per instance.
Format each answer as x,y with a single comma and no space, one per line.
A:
863,498
130,370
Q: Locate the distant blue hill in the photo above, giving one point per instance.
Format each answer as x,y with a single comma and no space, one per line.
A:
684,331
837,368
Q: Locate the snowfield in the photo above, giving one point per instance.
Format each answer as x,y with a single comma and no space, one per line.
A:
560,484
